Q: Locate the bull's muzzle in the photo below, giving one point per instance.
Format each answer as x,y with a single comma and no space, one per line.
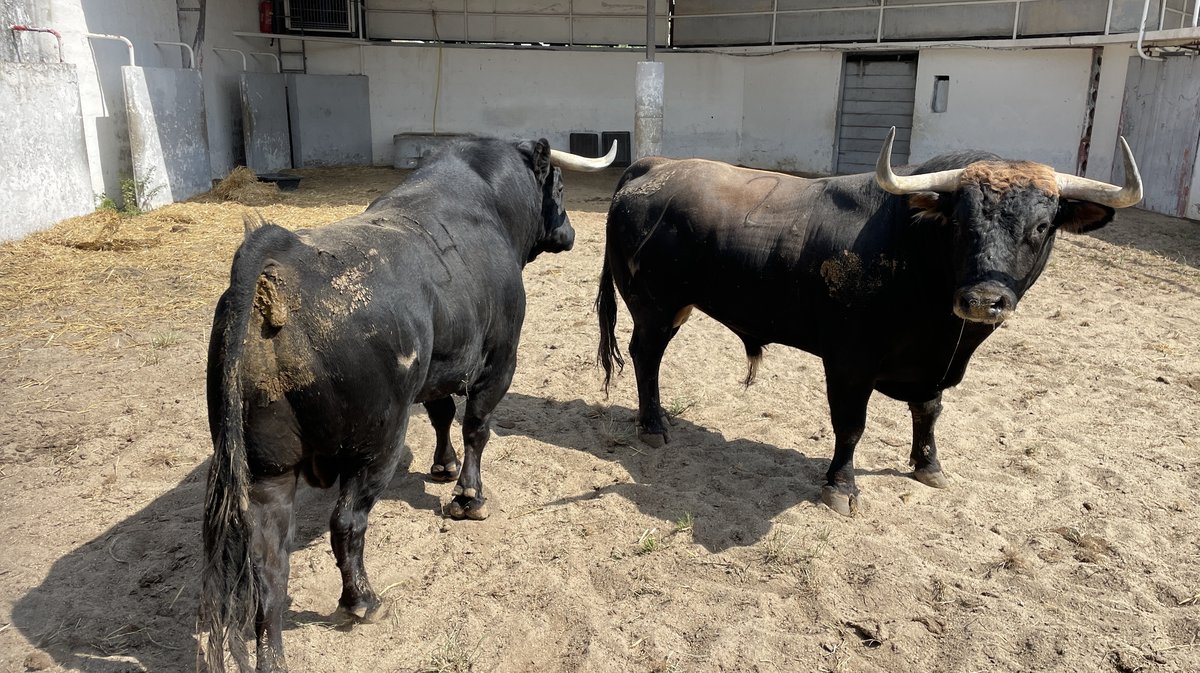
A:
989,303
561,239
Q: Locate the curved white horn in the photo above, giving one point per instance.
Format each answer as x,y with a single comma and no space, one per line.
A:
574,162
1083,189
942,181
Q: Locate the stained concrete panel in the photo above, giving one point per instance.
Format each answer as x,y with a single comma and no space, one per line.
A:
265,122
167,134
330,118
44,174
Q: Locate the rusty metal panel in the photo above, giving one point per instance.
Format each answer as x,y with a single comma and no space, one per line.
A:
1159,120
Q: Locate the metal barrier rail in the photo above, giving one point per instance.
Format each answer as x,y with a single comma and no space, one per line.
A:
118,38
33,29
187,48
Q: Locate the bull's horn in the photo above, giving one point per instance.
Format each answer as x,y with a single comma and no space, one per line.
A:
1083,189
942,181
574,162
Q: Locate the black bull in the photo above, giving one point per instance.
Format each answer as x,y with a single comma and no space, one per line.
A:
324,340
894,291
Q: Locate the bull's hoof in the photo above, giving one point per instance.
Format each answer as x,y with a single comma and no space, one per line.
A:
654,440
367,612
468,503
447,472
846,504
932,478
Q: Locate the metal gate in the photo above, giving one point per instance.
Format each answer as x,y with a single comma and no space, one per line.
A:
1159,119
877,94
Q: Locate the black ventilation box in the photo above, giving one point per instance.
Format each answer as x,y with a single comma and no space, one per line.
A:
585,144
623,146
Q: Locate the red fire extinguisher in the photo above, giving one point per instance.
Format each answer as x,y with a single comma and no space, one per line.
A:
266,17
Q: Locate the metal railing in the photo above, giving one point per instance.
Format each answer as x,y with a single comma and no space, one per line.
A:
1177,13
118,38
18,28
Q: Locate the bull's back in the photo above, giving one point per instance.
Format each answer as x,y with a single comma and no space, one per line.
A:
730,241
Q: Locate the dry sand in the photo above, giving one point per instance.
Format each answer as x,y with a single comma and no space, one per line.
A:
1068,541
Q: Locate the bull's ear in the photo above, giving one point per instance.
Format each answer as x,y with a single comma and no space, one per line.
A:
537,155
1078,217
930,205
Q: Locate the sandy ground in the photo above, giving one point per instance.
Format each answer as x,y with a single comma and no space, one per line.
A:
1068,541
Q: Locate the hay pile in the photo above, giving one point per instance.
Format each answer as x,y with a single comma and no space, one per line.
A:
242,186
105,280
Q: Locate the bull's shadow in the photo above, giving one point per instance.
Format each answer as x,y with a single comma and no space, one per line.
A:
126,600
734,489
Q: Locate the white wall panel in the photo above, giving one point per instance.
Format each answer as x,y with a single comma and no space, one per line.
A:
1019,104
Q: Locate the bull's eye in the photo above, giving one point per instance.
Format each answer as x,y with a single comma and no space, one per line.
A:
1042,227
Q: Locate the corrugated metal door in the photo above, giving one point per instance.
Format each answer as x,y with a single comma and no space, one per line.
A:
877,94
1160,122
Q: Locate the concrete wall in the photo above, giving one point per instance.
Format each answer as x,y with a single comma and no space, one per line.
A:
43,161
1114,66
789,117
1020,104
167,136
330,119
539,94
771,111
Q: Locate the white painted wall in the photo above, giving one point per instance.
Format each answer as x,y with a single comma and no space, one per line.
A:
789,116
770,111
510,93
1019,104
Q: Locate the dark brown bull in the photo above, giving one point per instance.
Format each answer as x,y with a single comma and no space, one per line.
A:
893,280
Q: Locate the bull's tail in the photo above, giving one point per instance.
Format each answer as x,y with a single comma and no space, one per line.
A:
228,593
606,309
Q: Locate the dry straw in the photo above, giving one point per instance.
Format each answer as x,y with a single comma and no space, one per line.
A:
105,280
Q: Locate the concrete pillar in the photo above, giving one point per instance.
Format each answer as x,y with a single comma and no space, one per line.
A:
648,110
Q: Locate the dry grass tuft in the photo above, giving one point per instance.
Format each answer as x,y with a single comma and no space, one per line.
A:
453,654
1011,559
242,186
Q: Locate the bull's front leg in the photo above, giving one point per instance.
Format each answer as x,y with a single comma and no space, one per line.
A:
848,397
924,458
469,501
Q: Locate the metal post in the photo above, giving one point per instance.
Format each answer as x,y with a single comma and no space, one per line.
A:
651,36
648,109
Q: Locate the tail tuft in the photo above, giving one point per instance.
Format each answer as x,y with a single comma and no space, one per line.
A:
606,311
754,355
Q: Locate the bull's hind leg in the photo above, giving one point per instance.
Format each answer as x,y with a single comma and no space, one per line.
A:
271,500
445,461
649,342
361,486
924,458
